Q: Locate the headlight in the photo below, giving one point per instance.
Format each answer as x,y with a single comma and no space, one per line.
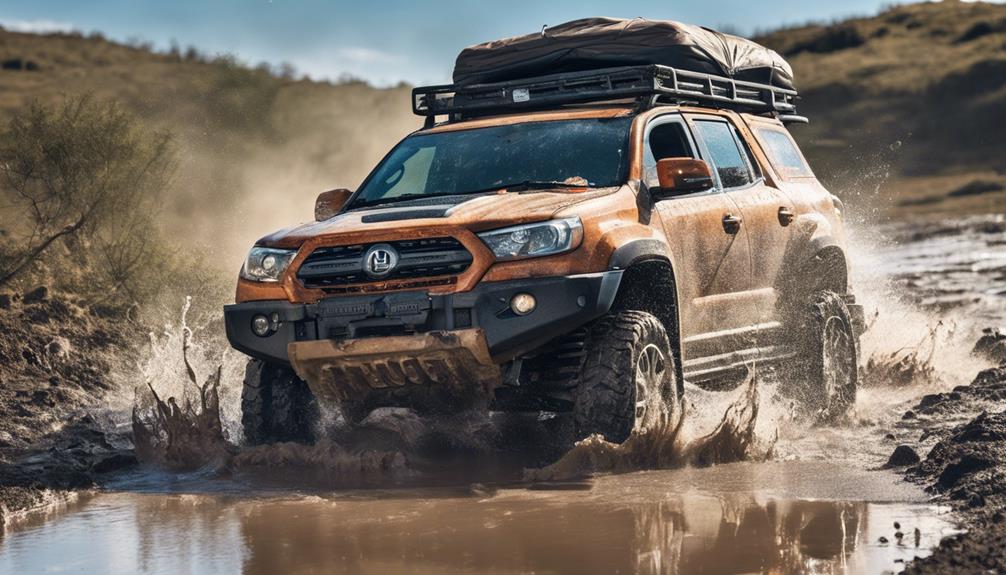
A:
533,240
266,264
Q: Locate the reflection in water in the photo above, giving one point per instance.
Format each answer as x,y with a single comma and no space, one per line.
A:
645,527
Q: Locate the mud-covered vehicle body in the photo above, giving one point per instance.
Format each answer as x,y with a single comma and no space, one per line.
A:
588,254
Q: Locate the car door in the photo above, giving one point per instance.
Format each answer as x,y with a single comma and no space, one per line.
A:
713,262
767,213
741,182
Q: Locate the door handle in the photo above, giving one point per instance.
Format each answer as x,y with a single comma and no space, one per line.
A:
786,216
731,224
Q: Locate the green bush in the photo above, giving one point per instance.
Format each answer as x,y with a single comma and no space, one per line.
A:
81,185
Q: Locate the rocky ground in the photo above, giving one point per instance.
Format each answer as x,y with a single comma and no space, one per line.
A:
56,360
964,464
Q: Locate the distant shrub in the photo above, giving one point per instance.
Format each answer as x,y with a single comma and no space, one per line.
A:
192,54
175,51
828,40
977,188
981,29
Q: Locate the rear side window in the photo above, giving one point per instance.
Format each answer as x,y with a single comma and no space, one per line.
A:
783,152
725,153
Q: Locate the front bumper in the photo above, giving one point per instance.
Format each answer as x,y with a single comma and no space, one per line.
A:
563,304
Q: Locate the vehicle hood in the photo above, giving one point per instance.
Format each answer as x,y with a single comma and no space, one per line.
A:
479,213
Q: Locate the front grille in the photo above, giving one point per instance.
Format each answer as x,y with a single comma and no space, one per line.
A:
344,265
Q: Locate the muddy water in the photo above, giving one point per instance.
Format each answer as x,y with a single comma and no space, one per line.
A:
817,504
952,266
809,516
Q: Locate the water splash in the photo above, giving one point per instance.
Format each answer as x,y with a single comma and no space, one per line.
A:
661,447
179,425
187,433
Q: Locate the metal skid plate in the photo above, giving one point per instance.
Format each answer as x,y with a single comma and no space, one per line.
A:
455,363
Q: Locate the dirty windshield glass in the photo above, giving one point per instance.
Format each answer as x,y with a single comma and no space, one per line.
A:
587,152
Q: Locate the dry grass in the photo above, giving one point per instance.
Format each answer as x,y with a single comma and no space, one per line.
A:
921,96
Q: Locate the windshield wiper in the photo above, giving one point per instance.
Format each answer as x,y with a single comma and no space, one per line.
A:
529,185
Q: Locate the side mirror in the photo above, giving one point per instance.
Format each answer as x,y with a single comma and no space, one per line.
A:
683,175
329,203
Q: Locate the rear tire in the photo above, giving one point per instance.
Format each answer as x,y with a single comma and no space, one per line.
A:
825,371
276,405
628,380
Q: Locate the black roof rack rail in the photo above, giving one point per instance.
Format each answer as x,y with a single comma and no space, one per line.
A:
651,85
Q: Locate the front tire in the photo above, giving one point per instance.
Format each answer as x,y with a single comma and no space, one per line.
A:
276,405
826,367
628,381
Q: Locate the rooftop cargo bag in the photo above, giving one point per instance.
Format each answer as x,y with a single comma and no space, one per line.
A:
596,43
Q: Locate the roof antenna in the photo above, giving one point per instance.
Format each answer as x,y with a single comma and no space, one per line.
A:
543,28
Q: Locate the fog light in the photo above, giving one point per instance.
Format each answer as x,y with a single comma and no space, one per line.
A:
523,303
261,325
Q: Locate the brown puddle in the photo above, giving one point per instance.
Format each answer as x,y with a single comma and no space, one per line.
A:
719,519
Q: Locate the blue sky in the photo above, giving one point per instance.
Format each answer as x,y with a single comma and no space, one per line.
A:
383,41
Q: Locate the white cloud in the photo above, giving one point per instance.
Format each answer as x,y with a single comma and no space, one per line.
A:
37,26
363,55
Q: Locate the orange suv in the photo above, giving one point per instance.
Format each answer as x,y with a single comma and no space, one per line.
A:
586,248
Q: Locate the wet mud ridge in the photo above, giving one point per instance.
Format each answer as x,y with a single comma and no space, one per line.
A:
56,357
961,436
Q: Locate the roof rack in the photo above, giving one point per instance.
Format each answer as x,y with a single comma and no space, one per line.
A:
651,85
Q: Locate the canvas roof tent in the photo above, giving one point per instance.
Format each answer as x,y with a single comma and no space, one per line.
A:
596,43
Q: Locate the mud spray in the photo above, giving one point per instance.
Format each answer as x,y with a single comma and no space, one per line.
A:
187,411
179,425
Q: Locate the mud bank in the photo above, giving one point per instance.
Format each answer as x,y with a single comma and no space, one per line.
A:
954,443
57,356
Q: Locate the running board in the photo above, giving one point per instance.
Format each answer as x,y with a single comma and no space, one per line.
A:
704,371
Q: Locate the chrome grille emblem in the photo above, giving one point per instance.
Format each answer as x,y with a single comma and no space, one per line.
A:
380,260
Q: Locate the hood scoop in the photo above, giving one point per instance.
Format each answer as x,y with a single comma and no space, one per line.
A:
405,214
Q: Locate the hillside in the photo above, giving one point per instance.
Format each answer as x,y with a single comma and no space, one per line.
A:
906,109
255,147
917,92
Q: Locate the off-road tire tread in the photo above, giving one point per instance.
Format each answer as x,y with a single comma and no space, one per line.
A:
255,401
605,395
276,405
824,305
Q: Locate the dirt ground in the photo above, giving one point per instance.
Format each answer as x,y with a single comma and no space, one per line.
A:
965,464
56,361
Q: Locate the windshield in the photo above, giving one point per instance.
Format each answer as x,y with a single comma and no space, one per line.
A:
585,152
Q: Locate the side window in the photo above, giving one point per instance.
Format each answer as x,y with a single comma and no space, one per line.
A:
783,153
665,140
725,153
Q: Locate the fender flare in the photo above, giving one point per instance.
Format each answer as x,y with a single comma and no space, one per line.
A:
639,250
644,250
826,245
